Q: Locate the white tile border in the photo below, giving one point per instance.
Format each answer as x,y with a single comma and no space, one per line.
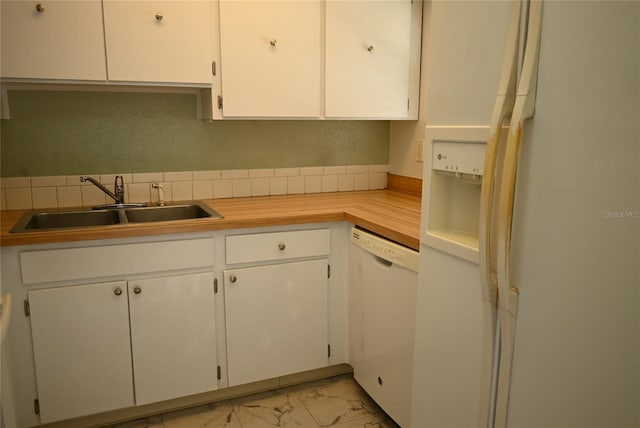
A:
66,191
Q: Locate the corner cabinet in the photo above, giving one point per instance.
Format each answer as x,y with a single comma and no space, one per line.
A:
159,41
277,314
271,58
52,40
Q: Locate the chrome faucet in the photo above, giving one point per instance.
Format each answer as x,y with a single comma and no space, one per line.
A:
118,186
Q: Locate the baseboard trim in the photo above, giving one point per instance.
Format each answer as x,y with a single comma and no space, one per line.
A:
131,413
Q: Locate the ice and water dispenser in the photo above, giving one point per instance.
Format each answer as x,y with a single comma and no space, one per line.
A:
453,180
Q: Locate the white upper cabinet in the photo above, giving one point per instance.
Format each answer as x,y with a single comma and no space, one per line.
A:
52,40
271,58
370,58
335,58
159,41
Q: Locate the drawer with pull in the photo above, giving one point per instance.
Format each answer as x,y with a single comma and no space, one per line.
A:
259,247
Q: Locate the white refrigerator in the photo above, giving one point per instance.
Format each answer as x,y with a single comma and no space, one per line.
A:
528,307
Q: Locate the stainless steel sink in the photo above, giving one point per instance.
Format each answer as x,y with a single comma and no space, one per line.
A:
52,219
170,213
33,221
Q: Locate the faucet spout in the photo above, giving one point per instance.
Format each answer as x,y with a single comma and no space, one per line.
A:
118,196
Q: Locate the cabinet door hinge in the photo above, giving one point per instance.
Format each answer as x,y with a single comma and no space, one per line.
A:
219,369
27,308
213,68
215,285
329,351
36,406
328,271
219,102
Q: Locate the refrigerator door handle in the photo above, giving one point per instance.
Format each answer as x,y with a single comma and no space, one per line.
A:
508,293
501,111
487,259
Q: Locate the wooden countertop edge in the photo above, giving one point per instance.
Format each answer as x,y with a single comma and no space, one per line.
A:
391,214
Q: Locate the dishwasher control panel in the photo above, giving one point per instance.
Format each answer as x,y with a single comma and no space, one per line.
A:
385,249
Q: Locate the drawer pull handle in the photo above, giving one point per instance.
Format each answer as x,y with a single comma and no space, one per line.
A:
233,278
117,291
137,290
40,7
159,16
281,246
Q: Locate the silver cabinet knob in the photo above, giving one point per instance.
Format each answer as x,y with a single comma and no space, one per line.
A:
40,7
273,42
233,278
281,246
159,16
370,48
137,290
117,291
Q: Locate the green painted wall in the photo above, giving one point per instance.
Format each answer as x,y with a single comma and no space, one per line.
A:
68,133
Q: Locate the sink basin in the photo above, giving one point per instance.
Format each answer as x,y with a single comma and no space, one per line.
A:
48,220
65,219
170,213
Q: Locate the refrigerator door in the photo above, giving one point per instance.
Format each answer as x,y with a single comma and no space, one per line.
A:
576,227
465,52
451,386
448,370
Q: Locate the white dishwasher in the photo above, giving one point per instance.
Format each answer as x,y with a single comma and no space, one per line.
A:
383,282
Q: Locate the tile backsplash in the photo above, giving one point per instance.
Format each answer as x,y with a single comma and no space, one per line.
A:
68,191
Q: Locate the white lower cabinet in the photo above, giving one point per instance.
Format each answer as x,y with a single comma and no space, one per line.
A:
104,344
82,349
173,336
277,320
117,324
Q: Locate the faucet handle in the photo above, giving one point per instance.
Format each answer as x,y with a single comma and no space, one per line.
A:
118,188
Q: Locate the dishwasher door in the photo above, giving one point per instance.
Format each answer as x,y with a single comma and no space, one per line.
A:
382,298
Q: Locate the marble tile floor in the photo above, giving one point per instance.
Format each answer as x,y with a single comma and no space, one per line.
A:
336,402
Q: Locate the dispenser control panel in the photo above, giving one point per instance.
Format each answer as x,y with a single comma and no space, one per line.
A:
458,157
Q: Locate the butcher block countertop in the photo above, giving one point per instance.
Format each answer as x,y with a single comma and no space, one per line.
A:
389,213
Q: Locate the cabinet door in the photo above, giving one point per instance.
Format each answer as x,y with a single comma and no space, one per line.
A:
159,41
173,336
368,58
277,320
53,40
82,349
271,54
